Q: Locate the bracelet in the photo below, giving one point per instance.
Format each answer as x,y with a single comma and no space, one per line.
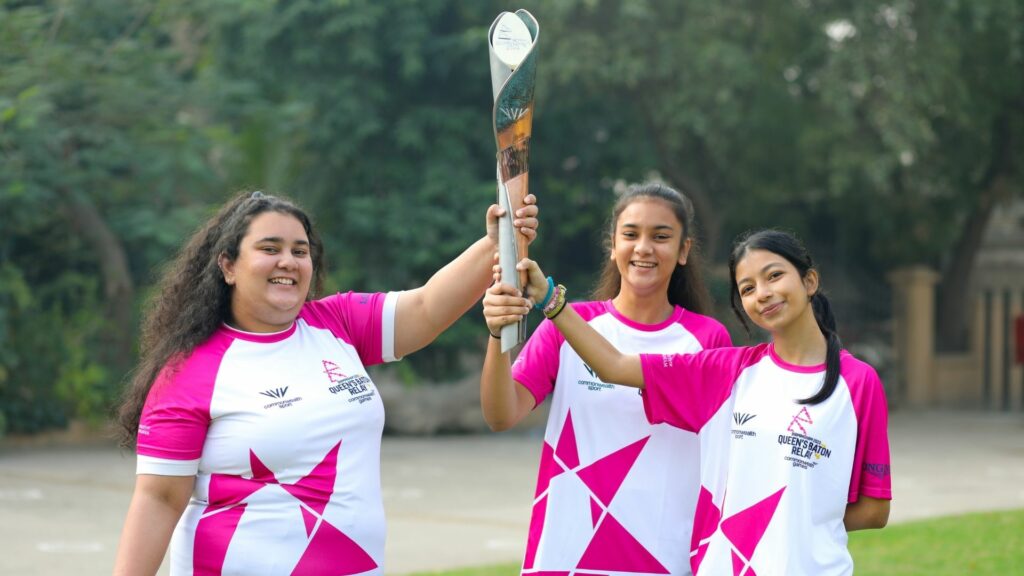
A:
547,297
493,335
557,304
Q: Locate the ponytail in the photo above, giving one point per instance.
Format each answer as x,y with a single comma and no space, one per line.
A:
827,324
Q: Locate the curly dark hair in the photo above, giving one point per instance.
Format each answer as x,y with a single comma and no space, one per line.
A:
192,299
686,287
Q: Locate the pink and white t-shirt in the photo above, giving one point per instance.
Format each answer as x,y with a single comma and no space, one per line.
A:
615,494
776,475
282,432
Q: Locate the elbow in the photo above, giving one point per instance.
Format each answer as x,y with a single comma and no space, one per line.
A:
498,423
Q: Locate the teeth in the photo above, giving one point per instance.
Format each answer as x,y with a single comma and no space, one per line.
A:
644,264
286,281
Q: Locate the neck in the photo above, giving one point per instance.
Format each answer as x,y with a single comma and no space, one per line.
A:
643,309
802,342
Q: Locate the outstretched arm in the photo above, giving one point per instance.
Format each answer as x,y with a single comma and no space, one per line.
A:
423,313
503,400
608,363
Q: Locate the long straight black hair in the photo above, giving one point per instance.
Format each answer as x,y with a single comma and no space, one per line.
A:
686,288
789,247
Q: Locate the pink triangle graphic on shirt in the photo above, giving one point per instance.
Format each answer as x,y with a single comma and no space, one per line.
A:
213,534
745,528
309,519
605,476
614,548
260,472
566,450
595,511
315,489
549,468
737,564
705,522
536,528
331,552
228,490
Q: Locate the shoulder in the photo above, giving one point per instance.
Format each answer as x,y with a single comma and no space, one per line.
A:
709,332
857,372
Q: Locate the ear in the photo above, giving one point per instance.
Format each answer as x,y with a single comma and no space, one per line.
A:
611,250
684,251
811,282
227,267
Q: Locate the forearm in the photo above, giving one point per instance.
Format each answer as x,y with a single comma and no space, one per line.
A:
866,513
427,311
503,402
608,363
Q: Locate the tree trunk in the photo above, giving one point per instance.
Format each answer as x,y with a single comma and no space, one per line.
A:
118,287
951,321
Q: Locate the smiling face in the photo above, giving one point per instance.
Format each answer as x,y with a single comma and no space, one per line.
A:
773,294
271,276
647,245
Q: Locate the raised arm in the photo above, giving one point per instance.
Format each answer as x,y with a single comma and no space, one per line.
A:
423,313
608,363
156,506
504,401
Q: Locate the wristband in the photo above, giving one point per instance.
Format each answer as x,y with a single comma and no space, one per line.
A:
547,297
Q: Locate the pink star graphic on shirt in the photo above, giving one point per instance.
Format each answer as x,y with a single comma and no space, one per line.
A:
328,549
611,547
743,529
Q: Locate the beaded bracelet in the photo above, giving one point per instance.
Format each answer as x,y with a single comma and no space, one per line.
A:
557,304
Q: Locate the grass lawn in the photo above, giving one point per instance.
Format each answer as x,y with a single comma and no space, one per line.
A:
990,544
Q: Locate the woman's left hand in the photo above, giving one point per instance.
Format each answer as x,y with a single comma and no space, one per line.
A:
525,220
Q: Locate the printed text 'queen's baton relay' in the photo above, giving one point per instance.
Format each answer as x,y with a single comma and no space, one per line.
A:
512,42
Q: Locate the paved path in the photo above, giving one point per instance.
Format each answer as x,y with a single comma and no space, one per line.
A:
463,501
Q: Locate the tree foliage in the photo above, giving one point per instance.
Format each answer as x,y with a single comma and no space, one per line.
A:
884,132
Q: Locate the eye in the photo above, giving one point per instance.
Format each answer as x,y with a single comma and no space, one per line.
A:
629,235
746,289
774,274
269,249
663,237
300,252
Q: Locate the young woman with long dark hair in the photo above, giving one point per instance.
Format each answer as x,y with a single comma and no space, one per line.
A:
257,427
615,493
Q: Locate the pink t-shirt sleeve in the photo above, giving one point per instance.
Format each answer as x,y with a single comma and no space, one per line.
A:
176,414
685,390
871,464
536,367
359,319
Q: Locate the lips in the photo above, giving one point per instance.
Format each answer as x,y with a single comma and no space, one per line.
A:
644,265
771,309
283,281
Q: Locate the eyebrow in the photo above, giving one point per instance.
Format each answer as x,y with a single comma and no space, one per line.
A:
279,240
761,271
658,227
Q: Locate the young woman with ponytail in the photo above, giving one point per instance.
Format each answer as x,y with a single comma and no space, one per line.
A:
794,448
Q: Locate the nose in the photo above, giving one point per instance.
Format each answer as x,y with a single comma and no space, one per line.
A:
643,245
763,291
286,261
